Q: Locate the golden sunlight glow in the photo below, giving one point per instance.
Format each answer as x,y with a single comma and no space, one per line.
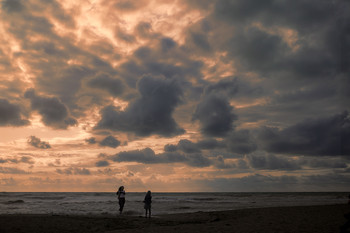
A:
256,102
120,104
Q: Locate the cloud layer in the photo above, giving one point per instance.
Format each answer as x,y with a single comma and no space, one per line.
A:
202,92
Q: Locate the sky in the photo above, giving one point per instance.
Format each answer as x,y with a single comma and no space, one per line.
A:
174,96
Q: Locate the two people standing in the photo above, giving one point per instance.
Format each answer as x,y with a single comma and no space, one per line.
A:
147,201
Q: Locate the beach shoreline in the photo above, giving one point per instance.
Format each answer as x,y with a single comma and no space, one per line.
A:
321,219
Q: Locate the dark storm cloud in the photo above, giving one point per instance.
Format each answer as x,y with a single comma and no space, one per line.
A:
238,165
229,86
198,160
162,56
147,156
35,22
170,148
125,36
173,157
166,44
36,142
58,12
74,171
241,91
143,29
127,5
221,164
241,142
312,20
236,144
110,141
151,113
12,170
326,162
324,136
91,140
209,144
272,162
319,92
257,49
67,84
200,40
102,163
11,114
12,5
114,86
215,115
16,160
240,11
25,159
53,112
188,147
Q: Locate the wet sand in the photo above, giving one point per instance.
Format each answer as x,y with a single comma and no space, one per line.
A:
320,219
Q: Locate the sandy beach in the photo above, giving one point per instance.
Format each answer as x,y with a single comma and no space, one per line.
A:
320,219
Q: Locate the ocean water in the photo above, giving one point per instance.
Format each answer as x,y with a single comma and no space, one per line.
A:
89,203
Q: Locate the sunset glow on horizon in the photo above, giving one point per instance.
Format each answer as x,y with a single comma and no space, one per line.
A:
174,96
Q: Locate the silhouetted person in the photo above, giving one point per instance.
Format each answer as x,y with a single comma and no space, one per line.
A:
346,226
148,201
121,198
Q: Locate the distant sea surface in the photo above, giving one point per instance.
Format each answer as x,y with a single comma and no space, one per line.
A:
89,203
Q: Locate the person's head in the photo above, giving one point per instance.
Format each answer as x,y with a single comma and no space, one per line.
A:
149,193
121,188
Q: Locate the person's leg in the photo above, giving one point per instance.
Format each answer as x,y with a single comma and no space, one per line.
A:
149,213
146,212
121,203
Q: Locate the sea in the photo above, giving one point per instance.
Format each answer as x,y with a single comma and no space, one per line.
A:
106,203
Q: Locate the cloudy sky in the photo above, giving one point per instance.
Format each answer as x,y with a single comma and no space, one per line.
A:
186,95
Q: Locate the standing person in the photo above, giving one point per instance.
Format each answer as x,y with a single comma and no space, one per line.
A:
148,201
121,198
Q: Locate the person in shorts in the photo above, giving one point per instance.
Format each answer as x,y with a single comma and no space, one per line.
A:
121,198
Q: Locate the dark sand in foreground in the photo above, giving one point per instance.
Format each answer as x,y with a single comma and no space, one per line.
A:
311,219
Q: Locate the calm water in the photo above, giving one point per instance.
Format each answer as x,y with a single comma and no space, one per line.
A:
163,203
